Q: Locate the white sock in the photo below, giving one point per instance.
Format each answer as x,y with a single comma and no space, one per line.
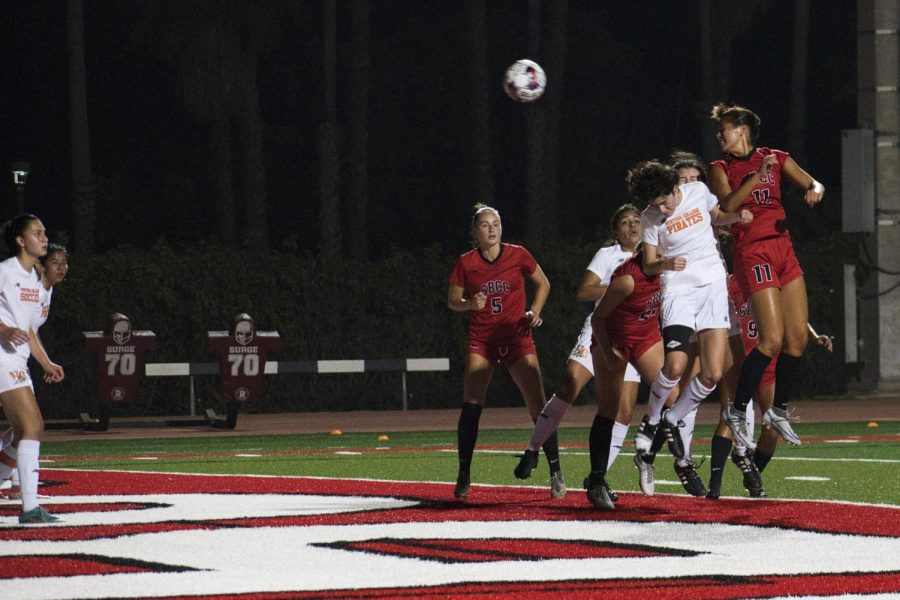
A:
7,463
620,430
547,422
687,432
659,393
690,398
29,450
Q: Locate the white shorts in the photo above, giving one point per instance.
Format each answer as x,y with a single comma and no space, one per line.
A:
14,374
581,354
699,308
734,327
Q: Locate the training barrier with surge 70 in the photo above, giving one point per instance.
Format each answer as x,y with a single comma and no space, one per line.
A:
242,352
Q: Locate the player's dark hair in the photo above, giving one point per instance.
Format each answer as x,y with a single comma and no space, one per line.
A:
737,116
12,229
53,249
682,159
648,180
623,210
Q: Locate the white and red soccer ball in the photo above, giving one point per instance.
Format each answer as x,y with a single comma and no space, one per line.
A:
525,81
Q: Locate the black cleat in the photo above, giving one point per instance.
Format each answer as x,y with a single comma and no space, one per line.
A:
612,495
462,485
598,492
752,478
673,436
527,463
690,479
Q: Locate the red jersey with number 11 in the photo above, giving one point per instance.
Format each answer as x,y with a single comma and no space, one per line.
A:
765,199
503,282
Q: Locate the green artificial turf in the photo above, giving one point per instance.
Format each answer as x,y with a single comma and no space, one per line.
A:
828,468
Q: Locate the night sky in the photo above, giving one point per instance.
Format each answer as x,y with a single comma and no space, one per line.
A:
631,91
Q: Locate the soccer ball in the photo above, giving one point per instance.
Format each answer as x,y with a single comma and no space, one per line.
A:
525,81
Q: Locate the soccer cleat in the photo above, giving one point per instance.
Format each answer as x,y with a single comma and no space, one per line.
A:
612,494
37,515
645,475
643,439
737,422
598,492
557,485
752,478
778,419
527,463
760,493
690,479
462,485
673,436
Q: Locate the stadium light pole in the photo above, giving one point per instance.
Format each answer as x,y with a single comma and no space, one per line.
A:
20,172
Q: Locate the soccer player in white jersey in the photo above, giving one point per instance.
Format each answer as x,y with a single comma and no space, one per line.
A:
54,267
20,297
625,230
680,244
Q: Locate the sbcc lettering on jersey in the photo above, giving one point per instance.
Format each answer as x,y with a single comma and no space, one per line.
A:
495,287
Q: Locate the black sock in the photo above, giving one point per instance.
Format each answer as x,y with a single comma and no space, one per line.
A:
761,460
599,442
658,440
467,433
751,373
721,447
787,371
551,451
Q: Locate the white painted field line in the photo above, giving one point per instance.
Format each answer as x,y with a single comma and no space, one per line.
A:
794,458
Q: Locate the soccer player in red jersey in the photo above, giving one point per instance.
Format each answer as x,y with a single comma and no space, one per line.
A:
625,236
749,177
626,330
488,282
751,463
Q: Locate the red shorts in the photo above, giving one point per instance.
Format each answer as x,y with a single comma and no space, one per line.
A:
765,264
633,347
503,355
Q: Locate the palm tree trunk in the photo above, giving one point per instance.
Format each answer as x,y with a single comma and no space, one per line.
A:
85,191
330,240
358,122
222,180
799,59
248,122
482,147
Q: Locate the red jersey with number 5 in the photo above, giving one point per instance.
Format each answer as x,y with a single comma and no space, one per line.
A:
503,283
637,316
765,199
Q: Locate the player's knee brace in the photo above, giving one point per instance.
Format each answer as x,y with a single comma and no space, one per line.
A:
677,338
